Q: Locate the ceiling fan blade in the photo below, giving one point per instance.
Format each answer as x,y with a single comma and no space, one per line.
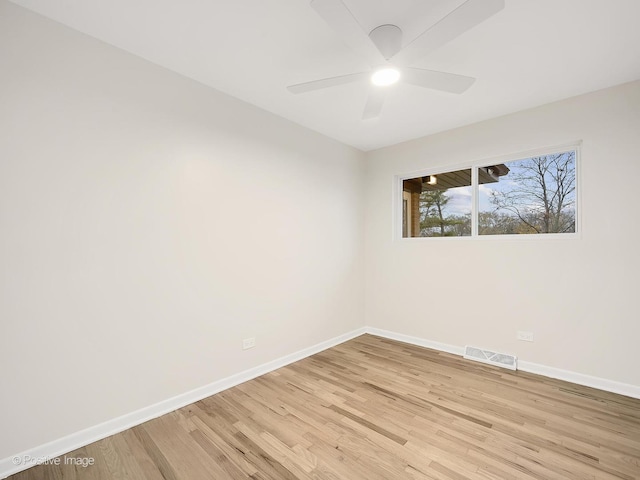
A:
327,82
448,82
340,18
463,18
374,104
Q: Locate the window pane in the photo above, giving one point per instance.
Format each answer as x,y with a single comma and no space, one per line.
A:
437,205
528,196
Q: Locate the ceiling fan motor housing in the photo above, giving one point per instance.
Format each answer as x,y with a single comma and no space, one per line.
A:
388,39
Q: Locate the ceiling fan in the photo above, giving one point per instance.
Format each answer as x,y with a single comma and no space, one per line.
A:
382,47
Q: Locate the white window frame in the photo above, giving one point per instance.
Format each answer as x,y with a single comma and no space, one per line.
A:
474,166
406,198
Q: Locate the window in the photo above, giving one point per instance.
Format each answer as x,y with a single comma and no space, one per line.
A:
532,195
528,196
438,205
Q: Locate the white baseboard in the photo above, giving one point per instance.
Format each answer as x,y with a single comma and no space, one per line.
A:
82,438
421,342
551,372
581,379
98,432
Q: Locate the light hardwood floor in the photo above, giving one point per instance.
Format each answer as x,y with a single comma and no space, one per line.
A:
373,408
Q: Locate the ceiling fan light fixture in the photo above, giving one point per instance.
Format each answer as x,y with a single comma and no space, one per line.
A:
385,76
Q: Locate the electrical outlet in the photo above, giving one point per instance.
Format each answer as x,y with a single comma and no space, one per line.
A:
525,336
248,343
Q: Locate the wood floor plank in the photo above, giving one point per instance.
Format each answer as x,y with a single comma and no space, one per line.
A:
374,408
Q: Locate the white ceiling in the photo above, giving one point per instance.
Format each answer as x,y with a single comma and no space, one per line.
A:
531,53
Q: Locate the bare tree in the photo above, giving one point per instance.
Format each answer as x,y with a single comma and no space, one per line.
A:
541,193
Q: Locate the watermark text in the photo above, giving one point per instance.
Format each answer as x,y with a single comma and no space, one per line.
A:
30,461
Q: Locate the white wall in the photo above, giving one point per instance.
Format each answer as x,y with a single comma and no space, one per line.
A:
149,224
579,297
